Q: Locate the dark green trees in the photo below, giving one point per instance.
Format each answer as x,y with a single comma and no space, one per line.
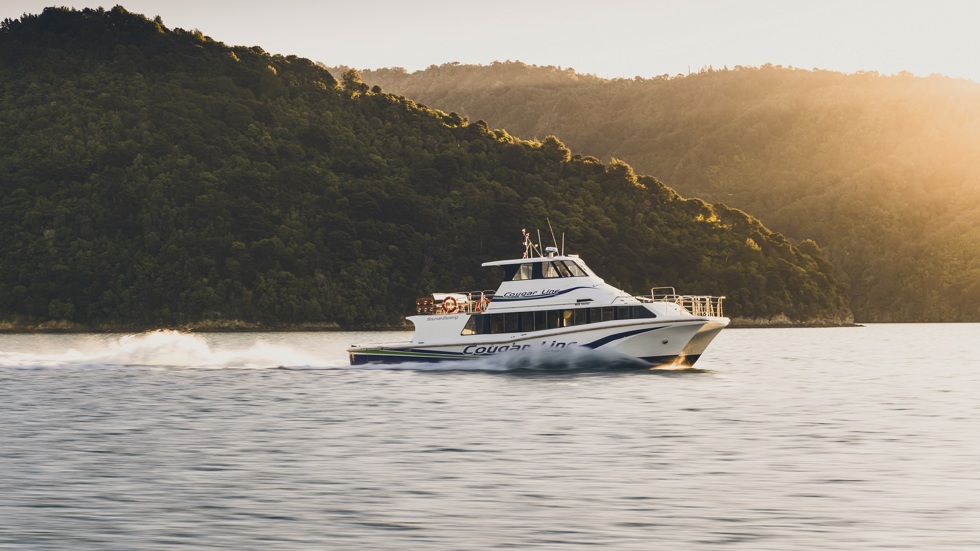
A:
156,178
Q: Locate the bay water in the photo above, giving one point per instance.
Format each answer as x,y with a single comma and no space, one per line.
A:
779,439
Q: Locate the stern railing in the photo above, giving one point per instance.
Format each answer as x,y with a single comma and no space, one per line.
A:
460,302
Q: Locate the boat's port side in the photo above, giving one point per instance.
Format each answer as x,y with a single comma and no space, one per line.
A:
645,340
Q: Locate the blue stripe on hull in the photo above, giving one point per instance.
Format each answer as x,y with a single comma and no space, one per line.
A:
409,355
368,359
612,338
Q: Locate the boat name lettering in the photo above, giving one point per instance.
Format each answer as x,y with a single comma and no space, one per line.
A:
442,317
521,294
474,350
545,293
485,350
556,344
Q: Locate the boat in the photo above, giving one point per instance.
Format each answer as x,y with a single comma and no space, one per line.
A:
550,301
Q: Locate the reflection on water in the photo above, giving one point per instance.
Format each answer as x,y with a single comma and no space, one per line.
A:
860,438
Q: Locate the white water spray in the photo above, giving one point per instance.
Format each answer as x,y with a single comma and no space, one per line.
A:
163,349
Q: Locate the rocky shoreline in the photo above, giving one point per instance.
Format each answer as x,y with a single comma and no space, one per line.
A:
783,321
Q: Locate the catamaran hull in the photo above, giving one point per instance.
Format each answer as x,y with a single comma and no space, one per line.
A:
653,344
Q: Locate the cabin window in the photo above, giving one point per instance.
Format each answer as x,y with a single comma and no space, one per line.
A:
470,327
574,269
523,273
553,319
540,320
567,318
641,312
548,270
578,316
527,321
496,323
596,315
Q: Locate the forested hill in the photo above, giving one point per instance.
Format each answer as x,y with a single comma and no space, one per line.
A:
154,178
882,171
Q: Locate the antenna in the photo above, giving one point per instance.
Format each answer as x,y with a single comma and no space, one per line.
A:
563,243
529,246
553,240
540,248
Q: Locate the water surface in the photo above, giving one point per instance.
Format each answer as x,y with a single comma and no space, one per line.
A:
782,439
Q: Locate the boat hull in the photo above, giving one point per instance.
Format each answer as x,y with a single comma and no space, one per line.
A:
653,344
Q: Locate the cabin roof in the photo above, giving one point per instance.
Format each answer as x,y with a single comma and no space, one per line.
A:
532,260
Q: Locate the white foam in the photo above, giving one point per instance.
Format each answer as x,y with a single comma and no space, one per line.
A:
165,349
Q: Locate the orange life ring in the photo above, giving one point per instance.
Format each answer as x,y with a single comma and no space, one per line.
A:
482,304
449,305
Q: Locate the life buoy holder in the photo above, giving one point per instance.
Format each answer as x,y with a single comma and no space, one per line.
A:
482,304
449,305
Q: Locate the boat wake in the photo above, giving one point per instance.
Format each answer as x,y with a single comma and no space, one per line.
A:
174,349
161,349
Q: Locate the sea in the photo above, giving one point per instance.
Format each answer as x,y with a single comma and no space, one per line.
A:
779,439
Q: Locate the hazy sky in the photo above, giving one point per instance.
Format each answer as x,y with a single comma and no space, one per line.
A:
611,38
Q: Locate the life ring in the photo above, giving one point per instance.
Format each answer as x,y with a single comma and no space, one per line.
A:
449,305
482,304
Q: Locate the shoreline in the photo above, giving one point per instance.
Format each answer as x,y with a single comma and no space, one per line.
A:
238,326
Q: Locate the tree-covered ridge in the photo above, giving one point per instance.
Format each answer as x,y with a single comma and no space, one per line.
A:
152,177
882,171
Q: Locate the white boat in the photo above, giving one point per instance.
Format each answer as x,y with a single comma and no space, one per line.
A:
551,301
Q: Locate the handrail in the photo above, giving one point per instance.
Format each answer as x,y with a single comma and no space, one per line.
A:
458,302
470,302
697,305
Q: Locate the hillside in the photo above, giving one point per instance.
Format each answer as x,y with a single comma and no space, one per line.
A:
152,177
882,171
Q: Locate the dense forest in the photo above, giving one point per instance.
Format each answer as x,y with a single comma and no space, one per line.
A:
882,171
152,177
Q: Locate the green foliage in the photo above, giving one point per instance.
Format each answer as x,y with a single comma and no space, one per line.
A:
881,170
153,177
351,80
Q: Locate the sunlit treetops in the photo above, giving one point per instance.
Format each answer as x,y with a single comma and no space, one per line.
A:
882,170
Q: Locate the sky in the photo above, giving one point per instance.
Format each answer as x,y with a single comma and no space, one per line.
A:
610,38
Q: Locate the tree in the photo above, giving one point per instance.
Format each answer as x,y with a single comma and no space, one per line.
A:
554,150
351,81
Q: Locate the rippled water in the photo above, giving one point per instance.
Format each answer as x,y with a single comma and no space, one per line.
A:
788,439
